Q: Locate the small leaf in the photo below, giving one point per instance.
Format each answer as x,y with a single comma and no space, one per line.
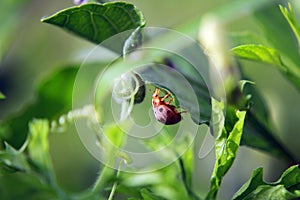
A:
97,22
226,145
256,188
12,160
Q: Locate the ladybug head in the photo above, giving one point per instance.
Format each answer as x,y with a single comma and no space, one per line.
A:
155,94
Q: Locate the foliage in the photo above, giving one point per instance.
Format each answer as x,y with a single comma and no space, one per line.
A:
287,187
25,156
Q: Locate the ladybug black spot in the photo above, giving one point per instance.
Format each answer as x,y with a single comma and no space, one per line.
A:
168,111
160,109
172,117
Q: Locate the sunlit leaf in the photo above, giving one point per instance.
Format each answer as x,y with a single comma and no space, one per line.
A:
260,53
287,187
226,144
97,22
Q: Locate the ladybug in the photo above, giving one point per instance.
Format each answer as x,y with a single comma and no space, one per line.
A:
163,111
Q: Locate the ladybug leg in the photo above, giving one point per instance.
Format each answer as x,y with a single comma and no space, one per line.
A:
166,96
170,101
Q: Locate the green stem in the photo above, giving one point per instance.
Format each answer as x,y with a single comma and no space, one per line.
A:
102,179
184,180
114,187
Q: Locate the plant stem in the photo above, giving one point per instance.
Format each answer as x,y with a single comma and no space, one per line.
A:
184,180
114,187
102,179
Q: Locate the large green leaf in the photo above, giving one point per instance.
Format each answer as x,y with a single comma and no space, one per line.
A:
287,187
226,144
97,22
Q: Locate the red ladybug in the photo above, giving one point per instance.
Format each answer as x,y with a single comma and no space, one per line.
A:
163,111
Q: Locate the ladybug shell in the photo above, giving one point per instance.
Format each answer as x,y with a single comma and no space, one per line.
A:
167,114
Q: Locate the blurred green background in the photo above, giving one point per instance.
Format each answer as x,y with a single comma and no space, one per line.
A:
30,50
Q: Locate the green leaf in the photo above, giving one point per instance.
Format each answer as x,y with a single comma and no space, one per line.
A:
160,75
260,53
226,144
258,129
38,147
256,188
290,16
290,178
97,22
2,96
54,97
133,42
250,185
12,160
